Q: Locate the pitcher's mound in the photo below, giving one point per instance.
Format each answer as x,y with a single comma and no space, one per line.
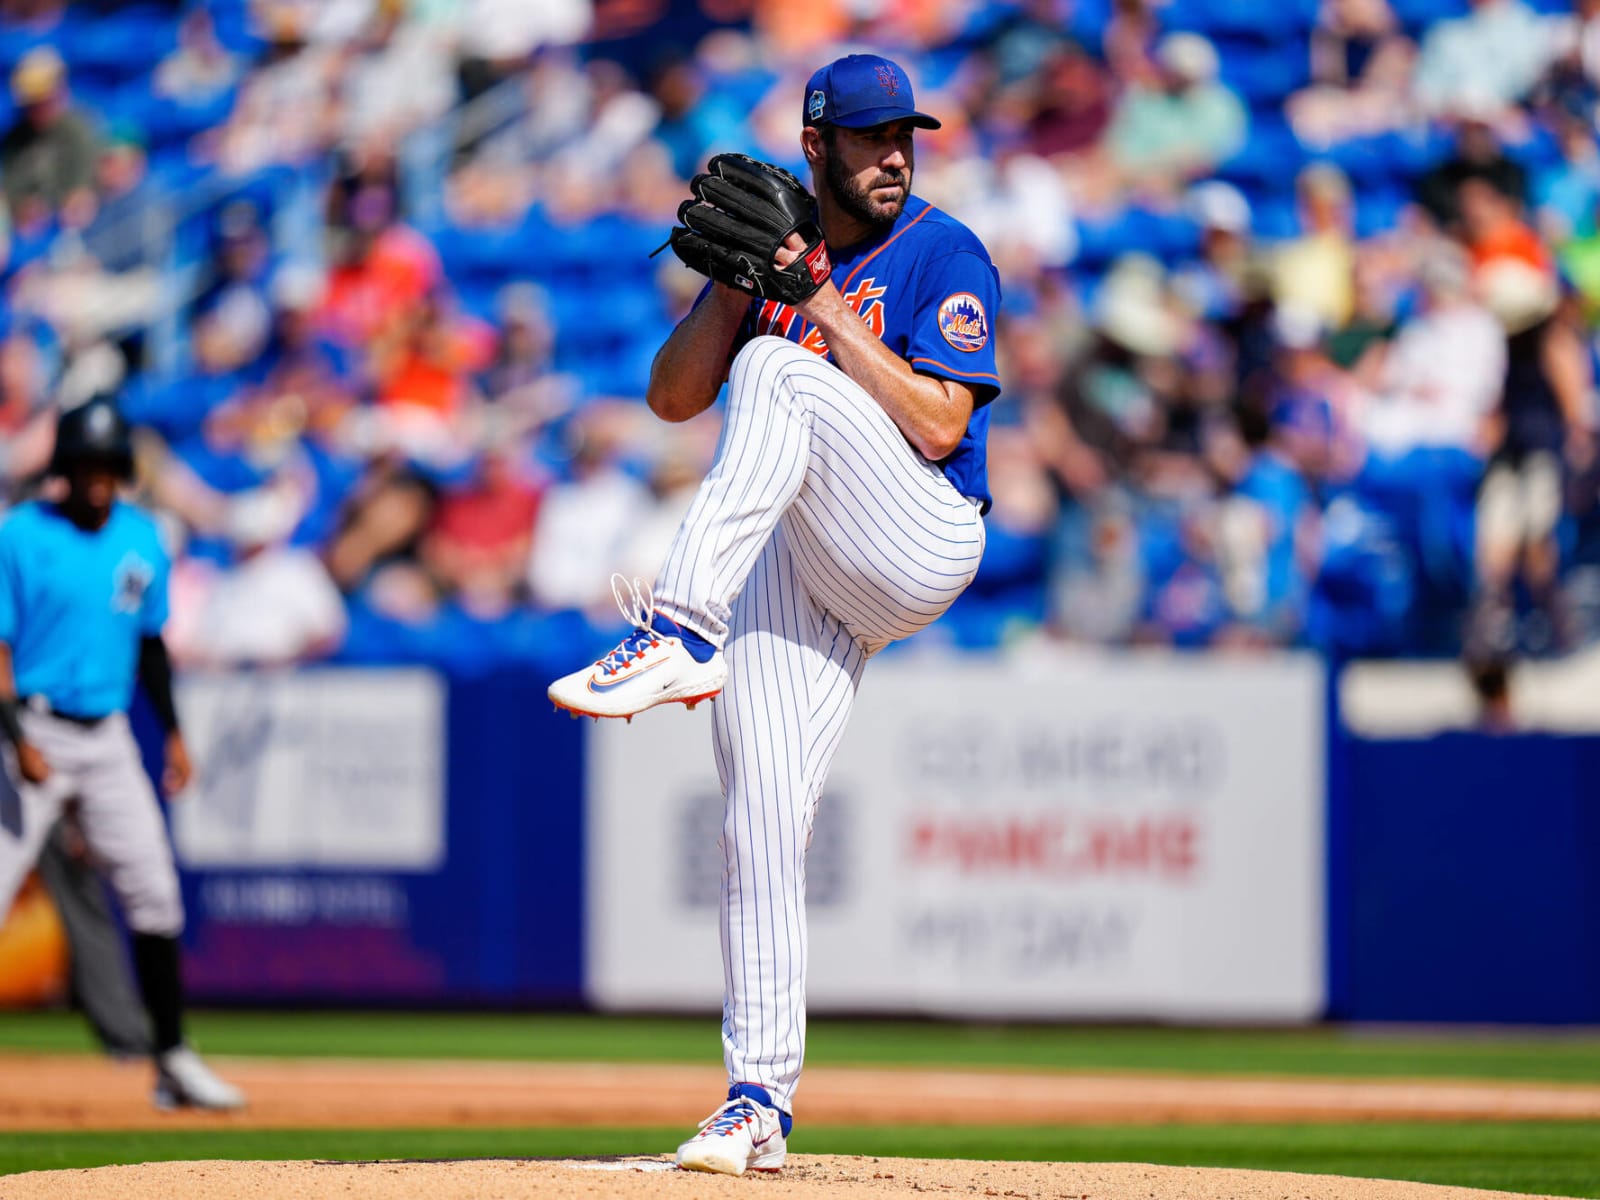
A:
815,1177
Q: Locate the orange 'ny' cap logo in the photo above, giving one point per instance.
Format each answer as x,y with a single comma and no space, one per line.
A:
887,79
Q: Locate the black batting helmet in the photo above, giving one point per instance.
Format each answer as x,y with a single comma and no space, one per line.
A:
93,432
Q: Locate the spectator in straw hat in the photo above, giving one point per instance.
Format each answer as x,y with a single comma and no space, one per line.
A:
47,157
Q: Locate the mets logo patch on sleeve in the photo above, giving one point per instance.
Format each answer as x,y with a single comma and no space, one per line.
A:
963,322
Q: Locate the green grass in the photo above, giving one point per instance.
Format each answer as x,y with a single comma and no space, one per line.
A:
1549,1158
1391,1053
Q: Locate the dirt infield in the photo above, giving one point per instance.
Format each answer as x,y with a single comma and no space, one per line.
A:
808,1176
80,1092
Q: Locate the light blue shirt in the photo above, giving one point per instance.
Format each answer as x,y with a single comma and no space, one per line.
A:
74,604
1495,54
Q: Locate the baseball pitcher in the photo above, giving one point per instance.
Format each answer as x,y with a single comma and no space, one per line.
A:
843,512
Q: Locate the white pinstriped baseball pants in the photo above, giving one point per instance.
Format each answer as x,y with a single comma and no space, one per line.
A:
818,537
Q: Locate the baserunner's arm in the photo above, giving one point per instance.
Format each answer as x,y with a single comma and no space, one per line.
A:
30,762
155,675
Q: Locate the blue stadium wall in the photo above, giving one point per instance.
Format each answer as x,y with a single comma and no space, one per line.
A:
1463,882
1465,879
496,921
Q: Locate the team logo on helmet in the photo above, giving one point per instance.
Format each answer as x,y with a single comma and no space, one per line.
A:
817,105
887,80
100,423
963,322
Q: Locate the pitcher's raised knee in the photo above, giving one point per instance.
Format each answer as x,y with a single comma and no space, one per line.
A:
765,361
771,366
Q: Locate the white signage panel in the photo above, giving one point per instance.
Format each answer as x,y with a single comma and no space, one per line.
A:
341,769
1128,836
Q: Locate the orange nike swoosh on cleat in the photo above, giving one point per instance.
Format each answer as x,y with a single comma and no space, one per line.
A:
597,686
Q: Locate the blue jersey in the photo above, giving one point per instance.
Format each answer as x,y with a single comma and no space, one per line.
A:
74,604
926,287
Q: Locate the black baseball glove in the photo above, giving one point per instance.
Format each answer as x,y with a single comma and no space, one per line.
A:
741,212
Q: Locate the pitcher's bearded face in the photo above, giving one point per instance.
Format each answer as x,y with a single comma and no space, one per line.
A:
868,171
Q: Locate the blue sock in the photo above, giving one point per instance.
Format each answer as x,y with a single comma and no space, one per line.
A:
760,1095
699,649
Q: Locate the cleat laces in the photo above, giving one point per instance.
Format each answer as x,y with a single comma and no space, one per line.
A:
638,606
741,1110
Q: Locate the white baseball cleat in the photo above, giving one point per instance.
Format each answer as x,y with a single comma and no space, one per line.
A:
743,1135
645,669
184,1081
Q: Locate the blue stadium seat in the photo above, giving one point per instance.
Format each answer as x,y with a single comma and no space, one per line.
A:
607,336
1365,160
166,122
1133,230
1417,15
117,46
1178,237
476,297
1275,23
1274,218
491,256
15,41
1366,586
1087,22
1263,74
586,316
941,64
1541,149
1414,151
606,250
1268,161
1378,208
172,169
234,26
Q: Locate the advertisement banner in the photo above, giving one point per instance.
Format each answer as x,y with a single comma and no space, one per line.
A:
317,814
376,835
338,769
1121,836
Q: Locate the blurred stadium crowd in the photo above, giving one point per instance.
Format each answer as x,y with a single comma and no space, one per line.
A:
1297,332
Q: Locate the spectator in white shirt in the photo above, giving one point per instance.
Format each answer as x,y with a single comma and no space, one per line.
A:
1441,378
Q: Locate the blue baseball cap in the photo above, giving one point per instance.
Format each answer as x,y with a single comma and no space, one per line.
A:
861,90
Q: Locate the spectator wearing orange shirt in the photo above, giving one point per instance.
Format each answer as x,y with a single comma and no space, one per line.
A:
422,369
435,351
1492,224
381,270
